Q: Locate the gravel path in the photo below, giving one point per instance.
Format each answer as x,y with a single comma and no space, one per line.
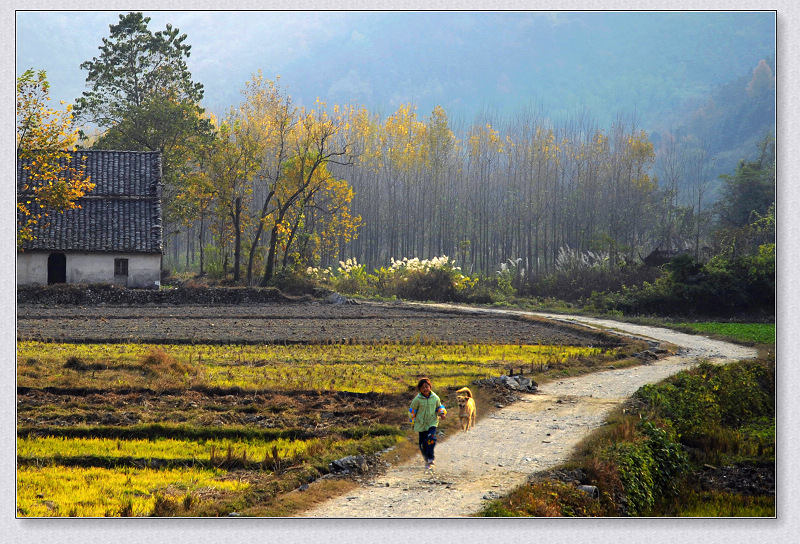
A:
532,435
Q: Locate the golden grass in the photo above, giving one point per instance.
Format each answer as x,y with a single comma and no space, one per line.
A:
46,488
382,368
48,448
56,491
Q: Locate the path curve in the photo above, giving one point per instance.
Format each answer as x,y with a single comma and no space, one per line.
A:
531,435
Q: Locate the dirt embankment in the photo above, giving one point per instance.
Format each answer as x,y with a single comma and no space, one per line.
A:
82,294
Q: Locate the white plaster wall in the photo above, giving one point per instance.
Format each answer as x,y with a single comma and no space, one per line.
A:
32,268
144,270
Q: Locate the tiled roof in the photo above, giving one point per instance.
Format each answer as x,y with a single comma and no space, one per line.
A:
121,214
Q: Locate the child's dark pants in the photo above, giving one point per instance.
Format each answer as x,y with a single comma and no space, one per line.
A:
427,441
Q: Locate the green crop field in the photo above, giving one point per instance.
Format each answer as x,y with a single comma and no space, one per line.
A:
756,333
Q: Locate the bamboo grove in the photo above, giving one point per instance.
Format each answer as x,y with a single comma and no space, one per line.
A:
285,187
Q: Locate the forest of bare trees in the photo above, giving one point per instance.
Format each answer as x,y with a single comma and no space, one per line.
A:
494,191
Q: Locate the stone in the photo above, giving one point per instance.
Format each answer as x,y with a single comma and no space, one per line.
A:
351,463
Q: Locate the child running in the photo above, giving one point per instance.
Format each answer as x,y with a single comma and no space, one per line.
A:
426,409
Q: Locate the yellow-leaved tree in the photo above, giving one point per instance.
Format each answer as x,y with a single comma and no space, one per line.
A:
320,221
316,139
49,180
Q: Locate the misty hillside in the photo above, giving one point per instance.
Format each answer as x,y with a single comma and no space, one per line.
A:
680,72
658,64
730,122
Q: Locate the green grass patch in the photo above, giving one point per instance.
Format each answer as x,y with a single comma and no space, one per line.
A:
653,456
748,333
717,504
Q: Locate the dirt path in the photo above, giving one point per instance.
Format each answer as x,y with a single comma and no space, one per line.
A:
531,435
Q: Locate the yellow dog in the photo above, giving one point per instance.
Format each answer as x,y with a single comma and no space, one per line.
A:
466,408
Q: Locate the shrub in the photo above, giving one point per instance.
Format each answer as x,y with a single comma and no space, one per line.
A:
650,469
436,279
635,465
670,461
290,280
488,290
350,278
708,395
578,284
511,276
721,287
545,499
431,279
214,262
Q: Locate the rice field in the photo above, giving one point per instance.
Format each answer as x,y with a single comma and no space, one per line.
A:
381,368
123,429
57,448
59,491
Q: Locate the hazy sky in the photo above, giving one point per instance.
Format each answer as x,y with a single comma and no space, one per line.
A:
219,40
460,60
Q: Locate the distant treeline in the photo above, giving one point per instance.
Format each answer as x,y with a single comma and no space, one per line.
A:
523,192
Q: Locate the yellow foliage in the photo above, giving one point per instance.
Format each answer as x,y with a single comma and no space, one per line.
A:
44,139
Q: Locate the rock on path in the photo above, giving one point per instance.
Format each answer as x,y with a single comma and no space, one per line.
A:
531,435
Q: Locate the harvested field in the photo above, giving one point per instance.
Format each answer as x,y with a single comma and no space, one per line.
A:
43,412
75,392
292,322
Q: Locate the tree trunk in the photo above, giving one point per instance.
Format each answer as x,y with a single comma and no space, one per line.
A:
200,238
270,266
237,247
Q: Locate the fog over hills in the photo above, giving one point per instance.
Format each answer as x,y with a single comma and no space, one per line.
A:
653,62
661,67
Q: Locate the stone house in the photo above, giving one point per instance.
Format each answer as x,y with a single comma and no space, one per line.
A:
116,234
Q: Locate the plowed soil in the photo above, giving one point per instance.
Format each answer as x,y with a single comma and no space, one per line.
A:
298,322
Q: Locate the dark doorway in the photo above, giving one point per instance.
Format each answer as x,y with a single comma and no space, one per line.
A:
56,268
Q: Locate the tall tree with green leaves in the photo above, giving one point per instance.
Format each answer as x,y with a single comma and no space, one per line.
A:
142,97
746,207
751,190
